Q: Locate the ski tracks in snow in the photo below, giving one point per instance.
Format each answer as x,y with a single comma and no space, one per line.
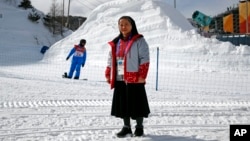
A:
104,102
57,111
90,120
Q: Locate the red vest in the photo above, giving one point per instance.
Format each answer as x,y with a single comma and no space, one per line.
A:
80,49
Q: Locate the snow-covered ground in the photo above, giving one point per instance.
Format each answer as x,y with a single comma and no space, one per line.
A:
203,84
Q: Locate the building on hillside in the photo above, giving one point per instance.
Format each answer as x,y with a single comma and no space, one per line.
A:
233,25
235,20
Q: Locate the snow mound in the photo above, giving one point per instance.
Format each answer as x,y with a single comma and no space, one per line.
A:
162,26
156,20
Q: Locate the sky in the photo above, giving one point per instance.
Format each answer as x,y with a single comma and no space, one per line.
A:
186,7
202,84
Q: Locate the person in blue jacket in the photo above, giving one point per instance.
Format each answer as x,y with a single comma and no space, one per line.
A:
79,57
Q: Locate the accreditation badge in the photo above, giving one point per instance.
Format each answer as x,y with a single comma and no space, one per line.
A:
120,66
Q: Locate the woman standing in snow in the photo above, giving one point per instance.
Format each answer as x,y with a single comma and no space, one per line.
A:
79,57
127,69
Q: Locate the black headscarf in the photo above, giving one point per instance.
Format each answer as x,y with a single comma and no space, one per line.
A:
134,30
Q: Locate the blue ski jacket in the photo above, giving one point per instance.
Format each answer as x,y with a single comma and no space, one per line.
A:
79,54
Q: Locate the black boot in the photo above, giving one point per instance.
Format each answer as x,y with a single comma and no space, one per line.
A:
65,75
124,132
139,127
138,132
76,77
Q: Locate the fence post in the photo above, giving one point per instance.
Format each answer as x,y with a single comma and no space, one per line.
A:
157,68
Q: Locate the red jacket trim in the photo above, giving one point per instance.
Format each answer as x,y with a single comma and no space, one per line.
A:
129,77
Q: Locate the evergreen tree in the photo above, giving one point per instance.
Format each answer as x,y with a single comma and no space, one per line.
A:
47,21
26,4
33,16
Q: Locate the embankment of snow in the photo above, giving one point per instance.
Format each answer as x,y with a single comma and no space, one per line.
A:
162,26
156,20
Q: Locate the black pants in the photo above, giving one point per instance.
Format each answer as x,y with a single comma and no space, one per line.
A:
139,122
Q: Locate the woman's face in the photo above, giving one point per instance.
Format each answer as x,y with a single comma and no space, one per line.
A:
125,27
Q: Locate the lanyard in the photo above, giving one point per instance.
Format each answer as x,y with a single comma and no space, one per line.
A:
118,46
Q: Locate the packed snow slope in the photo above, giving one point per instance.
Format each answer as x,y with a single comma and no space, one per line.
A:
162,26
19,35
160,23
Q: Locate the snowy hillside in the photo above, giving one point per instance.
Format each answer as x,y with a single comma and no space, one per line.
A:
20,35
202,86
